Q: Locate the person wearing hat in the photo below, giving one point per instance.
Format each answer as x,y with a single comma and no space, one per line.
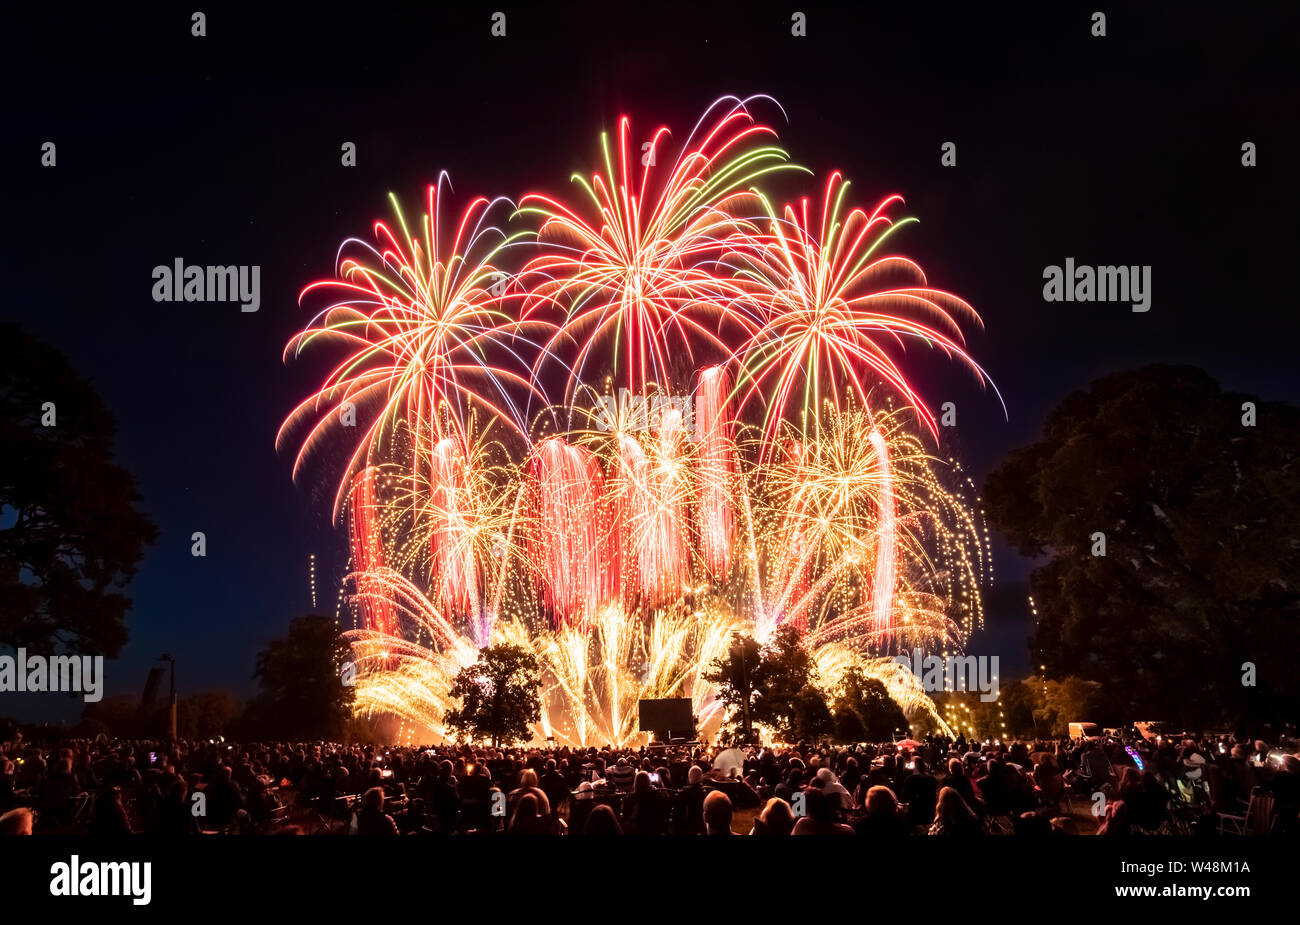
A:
826,781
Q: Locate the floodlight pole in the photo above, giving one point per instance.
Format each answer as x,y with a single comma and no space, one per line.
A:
165,657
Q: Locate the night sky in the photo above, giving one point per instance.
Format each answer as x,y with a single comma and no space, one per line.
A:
225,150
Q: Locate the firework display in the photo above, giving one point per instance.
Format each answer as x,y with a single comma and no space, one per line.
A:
682,415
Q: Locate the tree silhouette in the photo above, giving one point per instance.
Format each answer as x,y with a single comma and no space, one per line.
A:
785,668
733,678
498,694
71,534
1199,503
863,710
302,691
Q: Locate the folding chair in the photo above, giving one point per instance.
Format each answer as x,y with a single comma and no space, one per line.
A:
1257,820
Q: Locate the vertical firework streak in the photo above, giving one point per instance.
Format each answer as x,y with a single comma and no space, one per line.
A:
568,540
368,553
452,540
713,432
788,538
869,495
652,490
883,590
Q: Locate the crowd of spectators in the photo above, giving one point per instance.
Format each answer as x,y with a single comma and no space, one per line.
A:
1117,785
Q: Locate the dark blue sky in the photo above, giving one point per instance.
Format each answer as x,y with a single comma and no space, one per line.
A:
225,150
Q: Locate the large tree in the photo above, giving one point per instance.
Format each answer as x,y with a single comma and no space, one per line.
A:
778,681
303,693
1062,702
1197,493
787,697
71,531
1018,700
733,678
498,694
863,709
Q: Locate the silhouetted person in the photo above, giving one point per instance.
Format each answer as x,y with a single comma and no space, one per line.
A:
958,781
446,800
820,819
717,814
645,809
1118,821
174,815
223,799
109,817
776,819
526,819
554,785
602,821
920,791
372,820
883,817
952,816
690,804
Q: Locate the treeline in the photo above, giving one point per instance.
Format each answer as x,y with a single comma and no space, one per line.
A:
302,694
